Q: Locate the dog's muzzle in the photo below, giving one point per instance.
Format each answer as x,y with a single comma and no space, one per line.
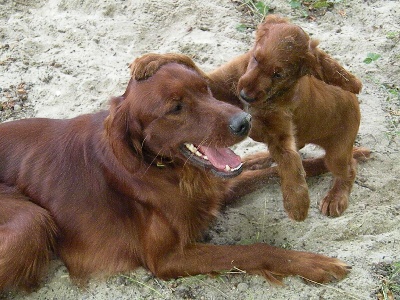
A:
240,124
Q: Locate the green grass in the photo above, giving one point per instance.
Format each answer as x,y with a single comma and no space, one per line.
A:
256,9
259,9
393,35
392,107
313,4
371,57
390,283
312,8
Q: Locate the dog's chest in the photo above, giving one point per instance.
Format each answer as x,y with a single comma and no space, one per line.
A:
189,197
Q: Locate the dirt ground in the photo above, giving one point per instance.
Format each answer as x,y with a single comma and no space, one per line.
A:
62,58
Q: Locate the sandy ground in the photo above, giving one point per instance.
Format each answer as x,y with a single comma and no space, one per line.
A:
62,58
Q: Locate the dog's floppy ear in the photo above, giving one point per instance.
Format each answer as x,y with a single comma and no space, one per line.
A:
123,132
147,65
322,66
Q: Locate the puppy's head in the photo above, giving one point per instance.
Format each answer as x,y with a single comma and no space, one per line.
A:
277,60
173,116
282,54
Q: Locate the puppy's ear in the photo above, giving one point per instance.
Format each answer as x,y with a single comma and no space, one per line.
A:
264,27
322,66
274,19
123,132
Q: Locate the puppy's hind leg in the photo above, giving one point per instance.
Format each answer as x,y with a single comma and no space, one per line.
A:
343,167
27,237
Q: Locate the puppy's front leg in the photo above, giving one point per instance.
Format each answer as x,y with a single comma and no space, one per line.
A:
277,131
296,200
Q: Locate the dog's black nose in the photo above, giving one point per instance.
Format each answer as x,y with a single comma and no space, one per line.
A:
246,98
240,124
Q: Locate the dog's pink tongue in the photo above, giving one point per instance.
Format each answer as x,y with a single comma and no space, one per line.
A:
221,157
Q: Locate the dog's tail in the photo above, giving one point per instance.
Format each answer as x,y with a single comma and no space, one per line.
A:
27,239
361,154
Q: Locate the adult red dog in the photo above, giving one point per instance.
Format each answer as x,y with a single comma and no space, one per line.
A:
134,186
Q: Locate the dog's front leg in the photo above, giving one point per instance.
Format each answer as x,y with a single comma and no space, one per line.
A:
262,259
167,252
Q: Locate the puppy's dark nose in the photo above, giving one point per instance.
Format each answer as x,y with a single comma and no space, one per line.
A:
246,98
240,124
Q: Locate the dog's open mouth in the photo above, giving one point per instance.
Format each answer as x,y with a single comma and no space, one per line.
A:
223,162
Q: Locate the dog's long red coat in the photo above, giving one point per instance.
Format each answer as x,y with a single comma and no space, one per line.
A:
111,191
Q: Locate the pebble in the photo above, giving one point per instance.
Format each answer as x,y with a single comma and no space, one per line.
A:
242,287
17,107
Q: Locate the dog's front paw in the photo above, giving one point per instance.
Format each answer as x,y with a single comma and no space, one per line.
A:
321,268
296,202
257,161
309,266
333,205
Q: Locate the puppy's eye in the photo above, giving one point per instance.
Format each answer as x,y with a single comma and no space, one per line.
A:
176,108
277,75
255,59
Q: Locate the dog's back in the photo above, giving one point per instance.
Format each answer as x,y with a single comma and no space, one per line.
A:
324,112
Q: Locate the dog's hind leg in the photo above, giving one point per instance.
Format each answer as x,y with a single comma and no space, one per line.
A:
27,237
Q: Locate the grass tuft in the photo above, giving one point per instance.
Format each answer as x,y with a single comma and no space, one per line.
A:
389,274
313,8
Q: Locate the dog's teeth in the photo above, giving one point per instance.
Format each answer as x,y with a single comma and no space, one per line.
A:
191,148
195,151
237,168
227,168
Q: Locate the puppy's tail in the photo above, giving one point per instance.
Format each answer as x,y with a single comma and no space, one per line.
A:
27,239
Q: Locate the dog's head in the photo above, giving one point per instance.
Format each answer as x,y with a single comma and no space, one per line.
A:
282,54
172,116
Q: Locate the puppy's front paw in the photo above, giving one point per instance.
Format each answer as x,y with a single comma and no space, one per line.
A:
296,202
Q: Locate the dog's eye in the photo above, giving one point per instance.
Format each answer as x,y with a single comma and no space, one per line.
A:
255,59
176,108
277,75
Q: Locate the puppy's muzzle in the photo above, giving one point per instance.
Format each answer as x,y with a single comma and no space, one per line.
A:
240,124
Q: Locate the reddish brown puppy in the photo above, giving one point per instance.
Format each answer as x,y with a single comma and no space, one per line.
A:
134,186
297,94
291,108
